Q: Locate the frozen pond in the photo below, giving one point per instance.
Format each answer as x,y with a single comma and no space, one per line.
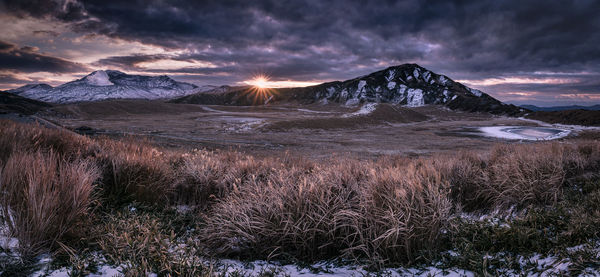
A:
524,132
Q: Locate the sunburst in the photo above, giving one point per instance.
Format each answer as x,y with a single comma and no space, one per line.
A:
260,92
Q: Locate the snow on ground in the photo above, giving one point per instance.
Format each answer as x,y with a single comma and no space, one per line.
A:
311,111
524,132
6,241
326,269
364,110
103,271
212,110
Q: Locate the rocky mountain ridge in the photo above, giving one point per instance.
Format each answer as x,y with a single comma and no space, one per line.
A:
408,85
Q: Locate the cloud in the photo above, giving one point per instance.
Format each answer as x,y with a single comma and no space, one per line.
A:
45,33
340,39
28,59
129,62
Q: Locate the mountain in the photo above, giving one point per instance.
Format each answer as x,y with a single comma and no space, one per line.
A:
12,103
409,84
109,84
561,108
31,89
570,117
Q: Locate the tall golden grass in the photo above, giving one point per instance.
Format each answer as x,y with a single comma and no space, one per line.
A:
45,199
16,137
134,171
393,209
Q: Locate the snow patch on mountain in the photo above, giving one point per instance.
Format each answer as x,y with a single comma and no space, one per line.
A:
352,102
360,88
98,78
415,98
416,73
476,92
390,76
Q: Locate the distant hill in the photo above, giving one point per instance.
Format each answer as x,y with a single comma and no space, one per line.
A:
12,103
561,108
110,84
570,117
409,84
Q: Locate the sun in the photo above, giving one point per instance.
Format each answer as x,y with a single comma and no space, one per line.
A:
260,81
261,90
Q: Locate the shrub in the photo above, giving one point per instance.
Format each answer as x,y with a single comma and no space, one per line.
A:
205,176
346,208
134,171
144,244
465,172
521,175
16,137
401,214
46,199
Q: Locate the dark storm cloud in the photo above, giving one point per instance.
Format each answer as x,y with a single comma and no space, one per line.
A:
325,40
46,32
28,59
129,62
589,85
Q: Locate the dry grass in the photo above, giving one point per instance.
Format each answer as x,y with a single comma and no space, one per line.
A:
134,171
15,137
346,208
392,210
46,200
524,175
144,245
516,174
204,176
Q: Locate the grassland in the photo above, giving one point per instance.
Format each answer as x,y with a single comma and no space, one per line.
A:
84,203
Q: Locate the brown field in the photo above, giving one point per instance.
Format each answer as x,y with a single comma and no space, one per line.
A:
316,131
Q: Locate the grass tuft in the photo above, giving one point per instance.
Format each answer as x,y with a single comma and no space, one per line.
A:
46,200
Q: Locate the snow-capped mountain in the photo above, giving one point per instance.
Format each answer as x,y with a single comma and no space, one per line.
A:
30,89
109,84
408,84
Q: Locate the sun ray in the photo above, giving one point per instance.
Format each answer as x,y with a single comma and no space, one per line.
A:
260,92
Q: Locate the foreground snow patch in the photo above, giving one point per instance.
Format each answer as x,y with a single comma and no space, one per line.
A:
324,269
364,110
524,132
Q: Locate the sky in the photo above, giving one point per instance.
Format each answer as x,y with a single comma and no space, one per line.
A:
523,52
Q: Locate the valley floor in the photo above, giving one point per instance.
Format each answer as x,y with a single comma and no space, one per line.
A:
315,131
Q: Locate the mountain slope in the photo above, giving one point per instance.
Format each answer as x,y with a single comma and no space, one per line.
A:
409,85
109,84
12,103
570,117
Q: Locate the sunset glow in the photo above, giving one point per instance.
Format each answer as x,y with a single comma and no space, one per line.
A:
260,81
263,81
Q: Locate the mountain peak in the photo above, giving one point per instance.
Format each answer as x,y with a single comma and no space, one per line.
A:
98,78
